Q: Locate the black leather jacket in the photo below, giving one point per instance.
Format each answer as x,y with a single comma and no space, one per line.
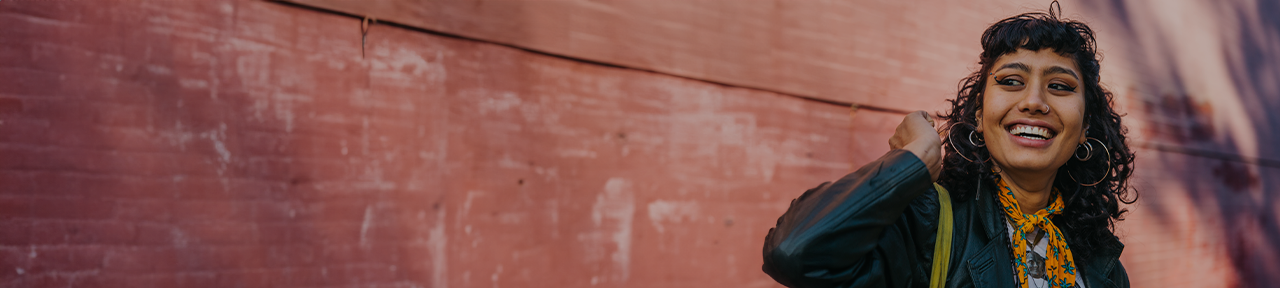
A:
876,228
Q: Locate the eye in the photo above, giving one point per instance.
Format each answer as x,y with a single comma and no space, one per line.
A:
1061,87
1006,81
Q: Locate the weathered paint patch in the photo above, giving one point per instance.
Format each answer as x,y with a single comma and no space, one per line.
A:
672,211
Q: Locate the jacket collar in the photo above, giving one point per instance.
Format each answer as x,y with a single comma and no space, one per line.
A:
994,222
1097,271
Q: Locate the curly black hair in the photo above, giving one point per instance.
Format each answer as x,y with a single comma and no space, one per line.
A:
1091,211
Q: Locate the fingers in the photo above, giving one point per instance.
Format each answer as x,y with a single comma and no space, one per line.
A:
913,129
896,141
928,117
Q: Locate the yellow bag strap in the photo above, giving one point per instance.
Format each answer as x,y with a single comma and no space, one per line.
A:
942,246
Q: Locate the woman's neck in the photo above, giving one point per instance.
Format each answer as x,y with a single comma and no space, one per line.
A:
1031,189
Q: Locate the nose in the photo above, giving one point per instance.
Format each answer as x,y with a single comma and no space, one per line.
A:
1033,102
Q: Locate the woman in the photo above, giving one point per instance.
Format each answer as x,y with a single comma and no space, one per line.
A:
1035,161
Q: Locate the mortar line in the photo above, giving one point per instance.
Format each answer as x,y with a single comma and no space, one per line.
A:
858,106
585,60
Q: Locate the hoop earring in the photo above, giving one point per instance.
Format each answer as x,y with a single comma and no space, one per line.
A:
972,142
1104,175
961,154
1088,151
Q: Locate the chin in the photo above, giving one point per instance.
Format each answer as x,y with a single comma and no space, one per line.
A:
1030,163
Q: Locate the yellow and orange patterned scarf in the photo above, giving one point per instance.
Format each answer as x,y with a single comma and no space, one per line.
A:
1060,266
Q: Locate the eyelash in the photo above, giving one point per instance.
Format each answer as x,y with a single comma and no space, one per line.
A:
1009,82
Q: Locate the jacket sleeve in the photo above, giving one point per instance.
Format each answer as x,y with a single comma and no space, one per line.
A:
872,228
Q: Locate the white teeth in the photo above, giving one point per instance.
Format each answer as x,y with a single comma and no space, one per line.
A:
1026,130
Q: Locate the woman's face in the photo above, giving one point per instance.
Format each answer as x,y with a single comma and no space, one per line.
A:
1033,111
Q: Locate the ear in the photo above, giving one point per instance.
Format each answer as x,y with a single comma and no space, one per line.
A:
1084,134
977,116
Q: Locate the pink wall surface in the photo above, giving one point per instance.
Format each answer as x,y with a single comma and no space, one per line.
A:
245,143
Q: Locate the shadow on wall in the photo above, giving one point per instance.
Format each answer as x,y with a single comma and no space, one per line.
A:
1203,78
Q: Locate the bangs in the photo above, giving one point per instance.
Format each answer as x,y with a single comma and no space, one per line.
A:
1037,31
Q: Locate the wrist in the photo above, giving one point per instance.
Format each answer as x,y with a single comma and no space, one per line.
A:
919,148
930,154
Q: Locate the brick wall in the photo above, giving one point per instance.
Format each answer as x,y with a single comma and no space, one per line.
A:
243,143
248,144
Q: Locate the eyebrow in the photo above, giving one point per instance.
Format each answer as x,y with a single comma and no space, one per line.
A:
1060,69
1051,70
1016,65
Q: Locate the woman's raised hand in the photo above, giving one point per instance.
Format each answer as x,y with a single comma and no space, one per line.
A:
916,133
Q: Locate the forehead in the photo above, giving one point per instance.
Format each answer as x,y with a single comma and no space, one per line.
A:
1037,60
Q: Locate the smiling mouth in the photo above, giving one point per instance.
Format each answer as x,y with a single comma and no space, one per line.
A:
1031,132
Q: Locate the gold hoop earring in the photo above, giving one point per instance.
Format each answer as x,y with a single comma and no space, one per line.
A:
961,154
1088,151
984,143
1104,175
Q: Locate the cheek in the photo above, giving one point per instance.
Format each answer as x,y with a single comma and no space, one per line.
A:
992,112
1074,119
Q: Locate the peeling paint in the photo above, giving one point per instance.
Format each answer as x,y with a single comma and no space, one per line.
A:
612,215
364,226
437,244
672,211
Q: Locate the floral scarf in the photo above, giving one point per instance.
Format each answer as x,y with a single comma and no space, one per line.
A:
1060,265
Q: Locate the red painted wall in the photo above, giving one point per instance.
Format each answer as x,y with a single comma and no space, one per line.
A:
247,143
243,143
